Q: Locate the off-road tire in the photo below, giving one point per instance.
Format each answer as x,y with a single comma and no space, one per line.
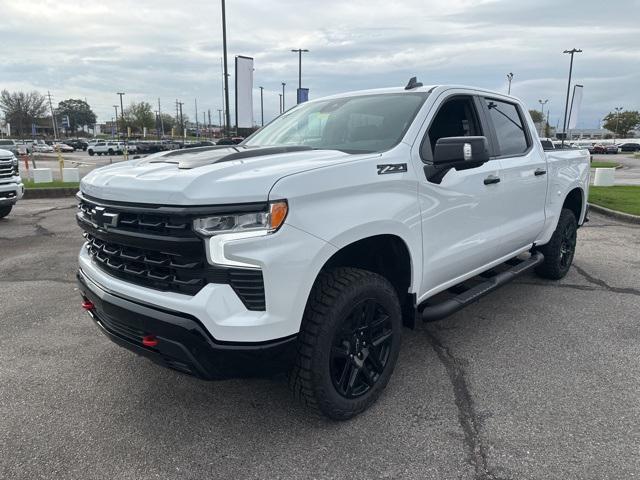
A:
558,253
329,308
4,211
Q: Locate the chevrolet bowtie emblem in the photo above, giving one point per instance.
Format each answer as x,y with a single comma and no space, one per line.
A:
102,219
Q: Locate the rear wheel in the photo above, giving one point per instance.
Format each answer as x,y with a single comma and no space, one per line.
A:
4,211
111,151
348,343
90,153
559,252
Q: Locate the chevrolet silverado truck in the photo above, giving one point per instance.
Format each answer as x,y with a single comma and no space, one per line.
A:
308,246
11,186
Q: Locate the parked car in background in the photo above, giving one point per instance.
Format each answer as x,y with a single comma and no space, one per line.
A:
547,144
62,147
41,147
111,148
597,148
10,145
203,143
77,143
611,148
630,147
230,141
11,187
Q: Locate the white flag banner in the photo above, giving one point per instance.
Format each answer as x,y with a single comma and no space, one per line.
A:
576,101
244,92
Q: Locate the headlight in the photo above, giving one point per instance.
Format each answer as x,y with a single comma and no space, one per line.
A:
16,169
268,221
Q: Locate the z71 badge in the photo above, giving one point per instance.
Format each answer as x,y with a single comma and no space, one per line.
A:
392,168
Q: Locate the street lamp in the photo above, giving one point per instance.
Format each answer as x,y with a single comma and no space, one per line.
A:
261,106
509,78
542,104
566,105
299,52
618,110
283,84
227,113
122,112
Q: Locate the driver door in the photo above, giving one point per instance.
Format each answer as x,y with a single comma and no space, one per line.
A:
461,219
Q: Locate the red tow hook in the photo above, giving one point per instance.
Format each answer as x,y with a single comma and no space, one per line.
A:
88,305
149,341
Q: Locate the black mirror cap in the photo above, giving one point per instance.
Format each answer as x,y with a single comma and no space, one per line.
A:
459,150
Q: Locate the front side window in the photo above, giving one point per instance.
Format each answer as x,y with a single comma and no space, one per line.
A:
509,127
360,124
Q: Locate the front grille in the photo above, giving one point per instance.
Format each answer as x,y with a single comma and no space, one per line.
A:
7,169
160,251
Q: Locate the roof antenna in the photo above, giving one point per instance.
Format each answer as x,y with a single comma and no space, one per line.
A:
413,83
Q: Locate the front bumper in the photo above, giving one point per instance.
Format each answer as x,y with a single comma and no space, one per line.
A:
183,343
10,193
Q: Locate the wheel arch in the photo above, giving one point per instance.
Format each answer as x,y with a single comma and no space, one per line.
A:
575,201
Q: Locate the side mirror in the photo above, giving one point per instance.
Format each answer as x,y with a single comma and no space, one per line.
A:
460,153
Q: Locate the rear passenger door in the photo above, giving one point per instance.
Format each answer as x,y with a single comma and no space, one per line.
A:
523,172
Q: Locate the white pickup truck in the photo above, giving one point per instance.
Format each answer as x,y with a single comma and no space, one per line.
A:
309,245
11,186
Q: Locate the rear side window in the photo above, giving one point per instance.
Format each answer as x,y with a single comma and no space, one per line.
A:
509,126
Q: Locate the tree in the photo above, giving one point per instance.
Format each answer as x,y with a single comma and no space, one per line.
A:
78,111
622,122
536,116
140,115
22,109
168,122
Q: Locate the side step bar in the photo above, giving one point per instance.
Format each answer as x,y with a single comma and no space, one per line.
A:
431,313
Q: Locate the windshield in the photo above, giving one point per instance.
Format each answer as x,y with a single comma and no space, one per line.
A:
361,124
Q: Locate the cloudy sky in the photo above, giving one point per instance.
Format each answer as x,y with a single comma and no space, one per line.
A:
172,49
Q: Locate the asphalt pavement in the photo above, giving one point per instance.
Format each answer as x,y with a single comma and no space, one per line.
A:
538,380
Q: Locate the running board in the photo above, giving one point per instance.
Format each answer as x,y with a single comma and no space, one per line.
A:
438,311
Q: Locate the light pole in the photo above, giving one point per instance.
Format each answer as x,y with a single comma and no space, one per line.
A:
618,110
566,104
283,85
261,106
122,112
116,109
542,104
299,52
227,114
509,78
280,102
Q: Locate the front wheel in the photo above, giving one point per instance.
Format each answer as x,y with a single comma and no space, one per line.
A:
348,343
4,211
91,153
559,252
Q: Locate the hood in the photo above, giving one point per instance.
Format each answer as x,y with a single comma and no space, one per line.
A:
205,176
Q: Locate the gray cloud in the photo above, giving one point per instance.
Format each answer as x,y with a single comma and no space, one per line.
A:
166,49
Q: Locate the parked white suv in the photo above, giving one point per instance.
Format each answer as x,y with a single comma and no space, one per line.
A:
11,187
309,245
110,148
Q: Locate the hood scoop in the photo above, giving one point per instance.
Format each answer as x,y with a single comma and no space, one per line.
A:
201,156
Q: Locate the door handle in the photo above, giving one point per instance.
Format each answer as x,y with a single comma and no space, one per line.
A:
540,171
491,179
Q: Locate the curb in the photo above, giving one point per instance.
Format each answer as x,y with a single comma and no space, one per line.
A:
31,193
624,217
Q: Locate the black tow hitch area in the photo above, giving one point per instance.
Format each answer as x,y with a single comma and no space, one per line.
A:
459,296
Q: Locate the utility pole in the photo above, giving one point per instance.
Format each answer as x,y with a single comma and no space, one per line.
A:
197,126
283,107
227,114
542,104
280,102
160,115
618,110
509,78
182,131
566,105
209,124
122,114
53,117
299,51
261,106
204,122
116,124
220,120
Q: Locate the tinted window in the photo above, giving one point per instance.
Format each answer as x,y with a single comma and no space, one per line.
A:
512,138
366,123
456,118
